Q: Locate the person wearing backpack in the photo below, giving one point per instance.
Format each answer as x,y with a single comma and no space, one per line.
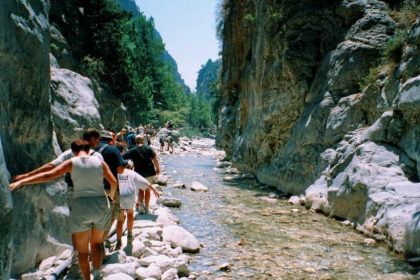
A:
113,158
147,165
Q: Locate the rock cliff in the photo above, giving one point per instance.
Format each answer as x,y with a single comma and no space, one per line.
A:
297,113
42,108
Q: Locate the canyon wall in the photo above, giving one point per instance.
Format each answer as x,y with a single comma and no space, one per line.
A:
310,106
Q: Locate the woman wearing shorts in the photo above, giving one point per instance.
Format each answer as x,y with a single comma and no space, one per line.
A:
89,208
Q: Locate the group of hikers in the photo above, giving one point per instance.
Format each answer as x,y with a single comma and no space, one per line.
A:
108,175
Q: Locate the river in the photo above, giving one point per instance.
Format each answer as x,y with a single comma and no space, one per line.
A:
268,238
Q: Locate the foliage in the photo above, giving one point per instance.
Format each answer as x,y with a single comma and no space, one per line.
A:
250,18
208,74
94,67
407,14
394,47
371,78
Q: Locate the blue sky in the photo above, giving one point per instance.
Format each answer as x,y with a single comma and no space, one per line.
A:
188,29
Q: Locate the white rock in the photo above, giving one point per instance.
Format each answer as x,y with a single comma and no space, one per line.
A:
179,237
138,248
152,271
181,264
117,257
179,185
154,233
149,252
127,268
198,187
32,276
369,242
146,223
66,254
223,164
225,267
294,200
165,217
170,274
170,201
162,180
48,263
164,262
119,276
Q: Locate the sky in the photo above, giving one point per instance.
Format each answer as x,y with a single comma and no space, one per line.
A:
188,29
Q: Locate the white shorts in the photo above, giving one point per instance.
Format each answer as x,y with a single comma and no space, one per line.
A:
127,201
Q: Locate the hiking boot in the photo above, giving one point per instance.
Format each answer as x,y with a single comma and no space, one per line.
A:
107,244
97,275
118,245
130,239
74,269
142,209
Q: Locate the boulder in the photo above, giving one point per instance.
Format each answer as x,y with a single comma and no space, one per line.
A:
170,274
165,217
73,105
125,268
152,271
170,202
162,180
179,237
119,276
198,187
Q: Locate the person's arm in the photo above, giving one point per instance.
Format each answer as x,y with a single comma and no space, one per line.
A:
46,167
111,180
154,191
156,164
44,176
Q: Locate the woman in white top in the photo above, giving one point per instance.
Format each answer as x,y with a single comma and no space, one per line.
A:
129,183
89,209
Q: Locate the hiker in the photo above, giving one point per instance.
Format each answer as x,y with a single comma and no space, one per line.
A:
162,143
145,164
129,183
130,139
92,137
170,141
121,137
113,158
90,211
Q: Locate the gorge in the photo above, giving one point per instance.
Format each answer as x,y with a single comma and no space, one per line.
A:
320,98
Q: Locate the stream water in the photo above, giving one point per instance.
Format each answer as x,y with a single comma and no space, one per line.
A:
264,238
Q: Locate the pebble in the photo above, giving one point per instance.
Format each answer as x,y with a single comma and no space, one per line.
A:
224,267
369,242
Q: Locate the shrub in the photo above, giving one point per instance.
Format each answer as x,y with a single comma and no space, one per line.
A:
394,47
94,67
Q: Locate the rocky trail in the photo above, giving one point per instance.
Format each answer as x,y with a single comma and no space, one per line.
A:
213,222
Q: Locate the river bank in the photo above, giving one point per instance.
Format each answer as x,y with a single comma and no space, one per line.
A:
241,229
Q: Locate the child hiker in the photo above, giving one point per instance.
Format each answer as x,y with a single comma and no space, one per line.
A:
129,183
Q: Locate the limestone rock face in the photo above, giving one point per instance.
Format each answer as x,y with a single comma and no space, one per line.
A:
25,119
73,105
294,112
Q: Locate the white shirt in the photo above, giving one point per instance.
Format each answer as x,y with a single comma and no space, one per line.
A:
130,181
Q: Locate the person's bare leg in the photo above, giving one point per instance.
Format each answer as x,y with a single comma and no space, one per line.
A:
130,221
96,247
120,224
147,198
81,240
